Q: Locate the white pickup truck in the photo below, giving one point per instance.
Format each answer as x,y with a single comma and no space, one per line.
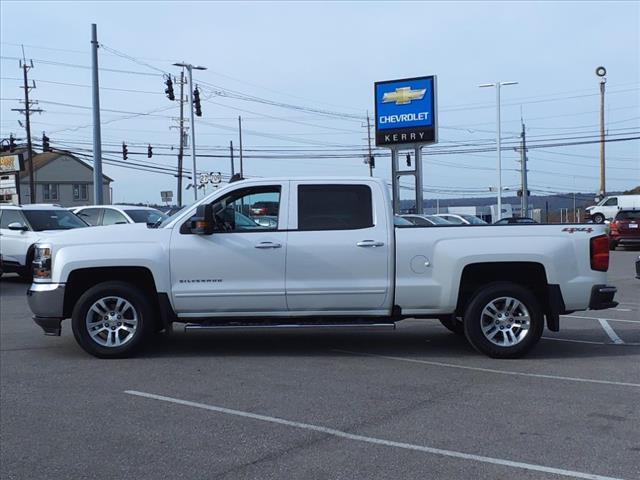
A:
335,258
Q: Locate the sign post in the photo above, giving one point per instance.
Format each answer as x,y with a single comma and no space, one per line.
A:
406,119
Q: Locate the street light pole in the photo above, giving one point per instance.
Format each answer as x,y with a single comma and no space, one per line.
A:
190,69
497,86
602,72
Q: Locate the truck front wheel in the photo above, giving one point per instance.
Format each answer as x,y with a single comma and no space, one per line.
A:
503,320
598,218
112,320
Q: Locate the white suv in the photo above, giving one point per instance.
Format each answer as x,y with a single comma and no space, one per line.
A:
22,226
96,215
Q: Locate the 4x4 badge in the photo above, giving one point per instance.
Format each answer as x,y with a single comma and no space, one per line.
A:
577,229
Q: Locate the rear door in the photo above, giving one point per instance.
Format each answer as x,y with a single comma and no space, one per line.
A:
339,249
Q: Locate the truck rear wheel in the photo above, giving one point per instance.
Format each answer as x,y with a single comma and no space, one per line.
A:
503,320
112,320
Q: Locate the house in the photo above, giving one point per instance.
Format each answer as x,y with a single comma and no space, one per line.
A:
61,178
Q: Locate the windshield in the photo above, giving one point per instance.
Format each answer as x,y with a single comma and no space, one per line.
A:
473,220
150,217
52,220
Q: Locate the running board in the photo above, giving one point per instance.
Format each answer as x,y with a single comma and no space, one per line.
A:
287,326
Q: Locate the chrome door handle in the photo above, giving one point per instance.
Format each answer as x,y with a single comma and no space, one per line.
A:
370,243
268,245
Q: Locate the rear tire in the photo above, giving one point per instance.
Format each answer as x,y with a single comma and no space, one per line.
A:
503,320
453,324
113,320
597,218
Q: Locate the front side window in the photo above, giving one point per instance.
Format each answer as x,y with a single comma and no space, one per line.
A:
9,217
58,219
89,215
112,217
150,217
248,210
50,191
612,202
334,207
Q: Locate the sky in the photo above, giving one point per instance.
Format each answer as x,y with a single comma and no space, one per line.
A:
301,76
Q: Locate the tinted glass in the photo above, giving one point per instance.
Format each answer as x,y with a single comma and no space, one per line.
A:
89,215
112,217
623,215
438,220
10,216
53,220
334,207
240,210
612,202
150,217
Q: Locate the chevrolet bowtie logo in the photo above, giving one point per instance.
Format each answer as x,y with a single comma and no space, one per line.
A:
403,96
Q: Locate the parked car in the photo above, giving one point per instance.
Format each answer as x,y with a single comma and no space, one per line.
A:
264,208
515,221
335,260
461,219
608,207
23,226
426,220
625,229
96,215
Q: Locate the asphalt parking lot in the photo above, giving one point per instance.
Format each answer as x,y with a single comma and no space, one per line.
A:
411,404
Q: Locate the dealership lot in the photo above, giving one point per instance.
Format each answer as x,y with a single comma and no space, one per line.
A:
415,403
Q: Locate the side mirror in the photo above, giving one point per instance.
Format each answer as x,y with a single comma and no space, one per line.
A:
203,223
17,226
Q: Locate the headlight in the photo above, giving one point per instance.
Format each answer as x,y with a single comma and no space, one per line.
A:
42,262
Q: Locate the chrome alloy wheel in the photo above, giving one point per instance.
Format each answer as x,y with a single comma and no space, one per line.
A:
505,321
111,321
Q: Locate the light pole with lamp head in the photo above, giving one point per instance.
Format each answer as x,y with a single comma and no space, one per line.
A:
497,86
190,69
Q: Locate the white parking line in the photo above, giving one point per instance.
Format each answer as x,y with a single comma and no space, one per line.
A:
610,331
607,319
575,341
491,370
373,440
622,309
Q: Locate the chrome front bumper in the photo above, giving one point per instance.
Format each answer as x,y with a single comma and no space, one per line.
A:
46,301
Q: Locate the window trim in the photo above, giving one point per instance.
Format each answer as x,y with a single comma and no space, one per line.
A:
333,185
46,192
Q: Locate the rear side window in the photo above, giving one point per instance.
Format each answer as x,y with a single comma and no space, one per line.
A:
89,215
334,207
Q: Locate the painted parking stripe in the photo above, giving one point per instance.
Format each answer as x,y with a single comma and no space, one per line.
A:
610,331
491,370
575,341
374,440
607,319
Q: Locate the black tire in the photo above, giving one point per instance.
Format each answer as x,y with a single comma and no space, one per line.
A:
453,324
597,218
141,308
26,272
474,319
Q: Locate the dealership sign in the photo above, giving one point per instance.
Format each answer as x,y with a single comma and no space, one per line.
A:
11,163
406,111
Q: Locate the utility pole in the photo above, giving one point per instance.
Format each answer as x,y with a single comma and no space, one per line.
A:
233,170
97,140
27,111
523,174
240,134
602,72
190,69
181,147
369,161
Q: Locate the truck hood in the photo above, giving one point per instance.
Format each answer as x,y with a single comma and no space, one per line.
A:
128,233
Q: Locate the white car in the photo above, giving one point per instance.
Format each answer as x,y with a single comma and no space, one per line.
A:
118,214
337,258
22,226
461,219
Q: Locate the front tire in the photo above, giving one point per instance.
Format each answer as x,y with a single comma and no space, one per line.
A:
598,218
503,320
112,320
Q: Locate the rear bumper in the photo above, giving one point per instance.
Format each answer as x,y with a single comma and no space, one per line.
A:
602,297
46,301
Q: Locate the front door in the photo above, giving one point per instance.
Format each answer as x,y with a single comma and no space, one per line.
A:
338,249
239,269
13,243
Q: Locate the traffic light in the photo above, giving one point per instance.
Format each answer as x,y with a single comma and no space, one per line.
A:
169,89
46,147
12,143
372,161
196,102
408,159
149,151
125,151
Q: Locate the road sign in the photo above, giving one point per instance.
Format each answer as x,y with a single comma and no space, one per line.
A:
11,163
406,112
215,177
166,196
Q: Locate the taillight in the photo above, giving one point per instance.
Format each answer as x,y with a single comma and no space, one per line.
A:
600,253
613,226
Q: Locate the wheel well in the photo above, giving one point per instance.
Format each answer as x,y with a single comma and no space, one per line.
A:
81,280
530,275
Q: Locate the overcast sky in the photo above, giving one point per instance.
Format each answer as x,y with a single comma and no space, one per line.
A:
325,57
